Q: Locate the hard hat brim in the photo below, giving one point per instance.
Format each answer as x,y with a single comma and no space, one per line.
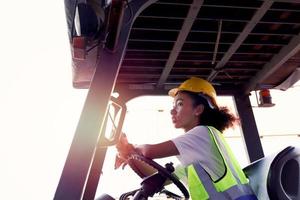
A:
173,92
212,104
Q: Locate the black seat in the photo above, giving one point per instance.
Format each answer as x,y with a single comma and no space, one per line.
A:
284,175
276,177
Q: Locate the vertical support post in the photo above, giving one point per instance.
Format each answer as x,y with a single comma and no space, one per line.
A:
77,167
95,173
250,132
96,169
81,154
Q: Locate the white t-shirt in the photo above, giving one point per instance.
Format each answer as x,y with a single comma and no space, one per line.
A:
196,146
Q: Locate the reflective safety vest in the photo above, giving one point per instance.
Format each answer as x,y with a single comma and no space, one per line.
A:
233,184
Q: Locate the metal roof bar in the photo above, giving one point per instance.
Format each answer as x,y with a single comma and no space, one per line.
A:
279,1
244,7
194,60
207,31
205,42
196,51
224,19
128,67
249,27
285,53
286,1
186,27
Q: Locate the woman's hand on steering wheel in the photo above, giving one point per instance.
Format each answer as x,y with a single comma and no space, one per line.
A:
125,149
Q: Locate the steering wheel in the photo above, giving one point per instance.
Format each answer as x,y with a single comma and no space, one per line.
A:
135,159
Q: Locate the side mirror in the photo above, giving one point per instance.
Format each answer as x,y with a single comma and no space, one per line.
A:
113,124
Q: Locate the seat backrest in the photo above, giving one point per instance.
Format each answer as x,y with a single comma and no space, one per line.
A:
276,177
257,173
284,175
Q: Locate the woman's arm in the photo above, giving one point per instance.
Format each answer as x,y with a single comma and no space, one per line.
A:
161,150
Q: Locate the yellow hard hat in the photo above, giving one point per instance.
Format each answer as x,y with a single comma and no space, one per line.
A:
198,85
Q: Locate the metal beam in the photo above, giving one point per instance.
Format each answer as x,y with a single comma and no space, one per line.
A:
211,42
285,53
205,31
247,30
250,131
286,1
195,51
77,166
95,174
146,68
129,91
223,19
73,180
186,27
217,42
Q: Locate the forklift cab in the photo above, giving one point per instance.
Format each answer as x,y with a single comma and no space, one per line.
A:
146,47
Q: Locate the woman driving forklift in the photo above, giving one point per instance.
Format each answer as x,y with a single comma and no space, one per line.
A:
207,161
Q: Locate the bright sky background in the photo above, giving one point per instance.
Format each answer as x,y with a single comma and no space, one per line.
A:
39,109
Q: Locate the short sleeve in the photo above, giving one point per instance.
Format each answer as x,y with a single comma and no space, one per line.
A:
193,145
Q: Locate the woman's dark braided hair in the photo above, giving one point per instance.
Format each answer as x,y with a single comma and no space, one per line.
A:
220,118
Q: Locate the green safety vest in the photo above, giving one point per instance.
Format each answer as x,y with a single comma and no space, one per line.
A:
232,185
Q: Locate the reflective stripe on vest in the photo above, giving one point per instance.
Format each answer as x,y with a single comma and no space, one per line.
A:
232,185
207,189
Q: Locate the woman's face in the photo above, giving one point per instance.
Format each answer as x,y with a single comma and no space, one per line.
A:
184,114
